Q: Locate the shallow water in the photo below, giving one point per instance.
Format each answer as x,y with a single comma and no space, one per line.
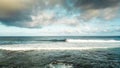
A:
95,58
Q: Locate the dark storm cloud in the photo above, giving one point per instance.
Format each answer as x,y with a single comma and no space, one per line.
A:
21,13
16,12
103,9
17,19
95,4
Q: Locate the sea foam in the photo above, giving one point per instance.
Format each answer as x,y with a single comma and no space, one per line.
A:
81,40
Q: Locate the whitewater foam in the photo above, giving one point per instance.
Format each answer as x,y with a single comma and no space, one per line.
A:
60,46
80,40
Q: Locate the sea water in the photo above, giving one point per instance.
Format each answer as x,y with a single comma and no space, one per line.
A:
44,39
60,42
65,49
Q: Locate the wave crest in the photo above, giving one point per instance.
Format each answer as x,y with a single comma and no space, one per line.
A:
81,40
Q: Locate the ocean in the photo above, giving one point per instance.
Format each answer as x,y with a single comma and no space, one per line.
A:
60,52
44,39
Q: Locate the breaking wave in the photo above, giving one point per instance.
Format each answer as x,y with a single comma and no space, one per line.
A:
81,40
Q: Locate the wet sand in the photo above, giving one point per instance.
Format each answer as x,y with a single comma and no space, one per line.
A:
89,58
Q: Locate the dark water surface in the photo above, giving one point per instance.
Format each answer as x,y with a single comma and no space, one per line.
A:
96,58
41,39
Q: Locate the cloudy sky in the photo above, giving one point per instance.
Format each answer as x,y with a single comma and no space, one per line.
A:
59,17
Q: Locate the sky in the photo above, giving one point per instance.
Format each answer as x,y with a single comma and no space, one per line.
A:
59,17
